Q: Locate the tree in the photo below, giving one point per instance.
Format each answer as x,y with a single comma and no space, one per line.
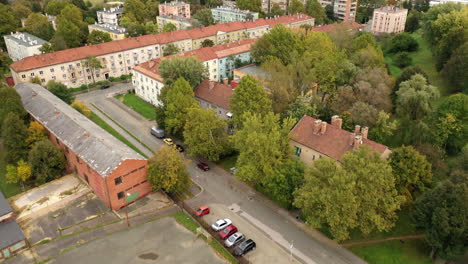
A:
295,7
20,10
455,70
330,13
36,132
20,173
135,9
411,170
47,161
54,7
82,108
314,9
402,59
167,171
134,29
190,68
442,213
71,26
407,74
92,63
169,27
207,43
61,91
300,107
383,128
57,43
205,17
11,103
276,10
368,57
249,96
151,28
403,42
252,5
38,25
214,3
263,146
14,134
8,22
179,98
413,21
152,9
96,37
170,49
205,134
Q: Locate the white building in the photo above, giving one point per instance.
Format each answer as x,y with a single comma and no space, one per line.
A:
438,2
21,45
222,14
389,20
110,16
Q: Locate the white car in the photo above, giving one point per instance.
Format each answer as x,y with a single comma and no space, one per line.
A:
221,224
234,239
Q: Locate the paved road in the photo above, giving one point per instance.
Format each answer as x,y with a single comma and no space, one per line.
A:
222,188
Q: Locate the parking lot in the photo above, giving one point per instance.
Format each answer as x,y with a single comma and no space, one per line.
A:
266,251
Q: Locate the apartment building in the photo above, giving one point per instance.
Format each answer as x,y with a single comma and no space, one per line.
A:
219,61
120,56
283,4
176,9
222,14
21,45
180,22
110,16
388,20
344,10
116,32
110,168
215,95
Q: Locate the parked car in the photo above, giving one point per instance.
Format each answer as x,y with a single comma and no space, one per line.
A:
234,239
228,231
220,224
179,148
202,210
232,170
203,166
105,86
157,132
244,247
168,141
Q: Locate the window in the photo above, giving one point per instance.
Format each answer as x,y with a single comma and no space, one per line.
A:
23,76
41,72
43,80
62,68
32,73
120,195
52,70
53,77
78,65
298,151
118,180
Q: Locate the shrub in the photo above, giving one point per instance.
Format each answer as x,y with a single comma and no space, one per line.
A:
403,42
402,59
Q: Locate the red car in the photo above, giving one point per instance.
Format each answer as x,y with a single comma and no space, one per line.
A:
227,232
203,166
202,210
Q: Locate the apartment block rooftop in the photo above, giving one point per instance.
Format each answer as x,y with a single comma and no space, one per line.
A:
391,9
109,28
175,3
25,39
112,10
232,10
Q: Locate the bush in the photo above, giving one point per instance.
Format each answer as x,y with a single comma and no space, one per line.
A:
402,59
403,42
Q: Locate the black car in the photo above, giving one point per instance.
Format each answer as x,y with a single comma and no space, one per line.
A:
105,86
179,148
244,247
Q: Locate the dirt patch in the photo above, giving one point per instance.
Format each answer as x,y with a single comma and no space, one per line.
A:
149,256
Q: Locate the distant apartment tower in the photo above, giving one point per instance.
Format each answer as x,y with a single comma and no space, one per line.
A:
110,16
389,19
175,9
223,14
344,10
21,45
283,4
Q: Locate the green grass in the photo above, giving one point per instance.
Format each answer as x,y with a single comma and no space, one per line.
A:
394,252
8,189
96,119
395,71
220,248
228,162
140,106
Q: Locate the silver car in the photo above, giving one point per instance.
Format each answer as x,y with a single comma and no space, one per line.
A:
234,239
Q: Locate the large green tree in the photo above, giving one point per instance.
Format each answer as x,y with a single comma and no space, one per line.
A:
276,10
14,135
252,5
47,161
8,22
249,96
286,179
96,37
38,25
314,9
54,7
205,17
135,9
11,103
456,68
71,27
179,99
61,91
295,7
190,68
169,27
206,134
170,49
93,64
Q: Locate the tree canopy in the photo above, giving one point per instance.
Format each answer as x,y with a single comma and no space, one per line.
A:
179,98
190,68
205,17
14,135
61,91
47,161
96,37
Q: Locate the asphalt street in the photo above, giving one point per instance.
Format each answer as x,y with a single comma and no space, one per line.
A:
221,188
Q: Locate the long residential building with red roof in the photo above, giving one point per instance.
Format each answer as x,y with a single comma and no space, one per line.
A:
219,61
120,56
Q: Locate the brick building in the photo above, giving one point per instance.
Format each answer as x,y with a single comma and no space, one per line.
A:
111,168
175,9
12,238
344,10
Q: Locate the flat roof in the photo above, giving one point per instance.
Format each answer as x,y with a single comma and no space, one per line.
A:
109,28
25,39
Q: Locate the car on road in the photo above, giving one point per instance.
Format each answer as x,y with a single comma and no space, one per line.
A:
105,86
202,210
234,239
157,132
227,232
244,247
203,166
232,170
220,224
168,141
179,148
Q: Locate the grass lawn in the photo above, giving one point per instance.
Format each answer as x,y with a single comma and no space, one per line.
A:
228,162
96,119
394,252
140,106
8,189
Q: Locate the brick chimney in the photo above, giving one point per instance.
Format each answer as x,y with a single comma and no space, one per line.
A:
317,124
323,127
364,132
225,81
211,85
357,141
151,64
336,121
357,129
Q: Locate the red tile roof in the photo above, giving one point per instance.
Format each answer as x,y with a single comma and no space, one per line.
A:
75,54
219,94
334,143
327,28
150,68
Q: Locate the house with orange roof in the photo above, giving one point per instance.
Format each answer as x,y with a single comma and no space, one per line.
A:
216,96
313,138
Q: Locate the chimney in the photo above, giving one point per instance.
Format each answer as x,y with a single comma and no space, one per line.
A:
357,129
225,81
364,132
357,141
317,124
211,85
323,127
336,121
